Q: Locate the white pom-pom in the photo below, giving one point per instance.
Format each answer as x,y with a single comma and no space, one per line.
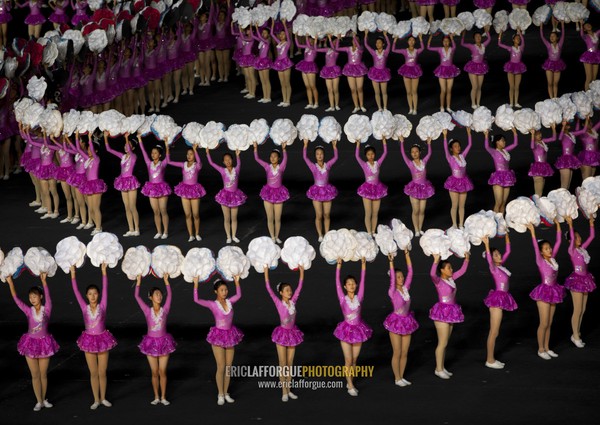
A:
136,262
467,20
435,241
358,128
308,127
445,120
97,40
383,124
402,235
541,15
520,213
583,103
88,122
419,26
463,118
260,130
459,242
31,117
191,133
132,123
51,121
546,207
479,226
330,130
95,4
76,37
560,12
452,26
13,261
36,88
519,19
300,25
403,127
111,121
482,119
385,240
69,252
366,22
105,248
505,117
500,21
366,247
263,252
402,29
20,107
200,263
338,244
434,27
50,54
242,16
549,111
287,10
385,22
595,86
146,127
39,261
565,202
70,121
232,262
166,259
428,128
594,95
297,252
283,131
588,202
165,128
592,184
482,18
577,12
568,107
526,120
211,135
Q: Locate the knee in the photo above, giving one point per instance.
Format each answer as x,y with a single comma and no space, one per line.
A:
163,374
188,215
155,374
326,216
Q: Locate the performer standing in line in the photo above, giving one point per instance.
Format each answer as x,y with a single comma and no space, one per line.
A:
372,190
458,184
503,178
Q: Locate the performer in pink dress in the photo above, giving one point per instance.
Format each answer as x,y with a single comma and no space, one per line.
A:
93,188
37,345
157,344
449,8
224,336
458,184
355,71
262,62
411,70
419,189
540,169
446,72
379,74
514,68
548,293
309,70
331,73
426,8
590,155
445,313
567,162
372,190
591,57
498,299
81,16
503,178
35,19
401,322
223,41
353,331
286,336
322,193
282,63
230,197
96,340
5,18
581,282
45,173
58,16
65,170
246,61
205,43
477,67
76,180
554,65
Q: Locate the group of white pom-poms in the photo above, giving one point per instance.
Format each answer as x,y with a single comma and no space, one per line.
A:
257,16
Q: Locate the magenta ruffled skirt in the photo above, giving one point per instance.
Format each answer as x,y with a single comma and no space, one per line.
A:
205,45
500,299
551,294
231,199
125,184
540,169
519,2
589,158
503,178
410,71
554,66
93,187
590,57
76,180
63,173
46,172
282,63
379,75
447,71
419,190
58,18
274,195
426,2
157,346
287,337
330,72
156,190
5,17
567,161
458,184
37,19
262,64
476,68
354,71
353,334
31,165
372,191
401,325
484,4
25,158
515,67
80,18
96,343
322,193
449,2
189,191
246,60
307,67
580,283
447,313
37,348
224,338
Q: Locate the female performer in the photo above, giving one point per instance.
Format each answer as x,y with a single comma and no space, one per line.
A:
282,63
589,156
477,67
567,162
411,70
515,67
372,190
458,184
503,178
379,74
262,62
309,70
554,65
355,71
331,73
446,71
93,188
591,57
540,169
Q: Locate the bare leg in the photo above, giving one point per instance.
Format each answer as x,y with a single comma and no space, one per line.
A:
538,185
544,326
196,214
353,91
226,220
153,362
565,177
229,352
277,209
577,313
125,198
102,366
154,203
318,206
92,362
498,192
163,361
414,202
396,341
462,200
162,203
269,209
454,208
517,85
404,354
376,88
511,88
219,353
422,205
187,210
495,321
368,205
443,334
132,194
234,222
34,369
326,215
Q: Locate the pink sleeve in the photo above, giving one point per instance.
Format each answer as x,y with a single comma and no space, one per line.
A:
306,160
514,144
469,145
114,152
361,289
392,282
462,270
297,291
237,296
433,273
590,238
260,161
200,301
383,155
167,305
504,46
338,284
557,243
22,306
404,155
408,278
78,297
271,293
212,164
104,300
48,303
429,151
284,161
141,303
491,264
506,253
334,159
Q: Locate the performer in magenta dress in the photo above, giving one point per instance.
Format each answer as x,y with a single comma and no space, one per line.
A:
372,190
591,57
46,174
426,8
515,67
322,193
331,73
554,65
76,180
246,61
449,8
58,16
65,170
503,178
224,336
477,67
379,74
458,184
80,16
309,70
93,187
567,162
96,340
590,155
540,169
35,19
5,18
262,62
411,70
223,41
282,63
205,44
446,72
355,71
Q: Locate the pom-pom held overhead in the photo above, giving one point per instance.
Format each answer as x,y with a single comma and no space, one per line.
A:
198,263
479,226
565,202
526,120
452,26
308,127
36,88
165,128
366,247
541,15
482,119
104,248
70,252
500,21
88,122
260,130
428,128
445,120
358,128
283,131
13,261
232,262
166,259
383,124
459,242
297,252
112,121
520,213
338,244
402,235
568,107
435,241
330,130
587,201
385,240
191,133
546,208
419,26
263,252
519,19
39,261
136,262
211,135
463,118
482,18
238,137
51,121
550,112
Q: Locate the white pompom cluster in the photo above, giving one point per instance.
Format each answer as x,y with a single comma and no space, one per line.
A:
467,20
13,261
31,117
308,127
260,130
242,16
519,19
463,118
146,128
366,22
320,26
97,40
500,21
136,262
434,27
366,247
358,128
51,121
383,124
111,121
330,130
428,128
592,184
88,122
435,241
403,127
133,123
287,10
459,242
560,12
198,263
232,262
283,131
419,26
583,103
577,12
568,107
20,106
402,29
76,37
297,252
39,261
482,119
385,240
36,88
452,26
520,213
546,207
165,128
402,235
238,137
211,135
70,251
445,120
565,202
338,244
105,248
191,133
166,259
479,226
263,252
541,15
587,201
482,18
526,120
70,121
550,112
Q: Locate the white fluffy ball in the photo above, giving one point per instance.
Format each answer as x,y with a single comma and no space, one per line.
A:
297,252
105,248
136,262
69,252
166,259
39,261
200,263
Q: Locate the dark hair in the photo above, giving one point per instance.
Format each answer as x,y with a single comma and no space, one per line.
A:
452,142
347,278
496,138
493,248
477,33
543,242
320,147
417,146
442,265
228,154
368,148
515,36
158,148
411,36
92,286
282,285
277,152
380,38
36,290
218,283
153,290
447,37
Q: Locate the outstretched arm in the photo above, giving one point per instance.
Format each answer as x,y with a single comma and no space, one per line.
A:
299,287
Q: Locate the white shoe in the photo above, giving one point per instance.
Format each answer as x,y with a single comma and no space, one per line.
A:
35,204
448,373
41,210
442,109
309,106
75,220
578,343
517,105
164,236
330,109
442,374
320,239
449,110
96,231
284,398
67,220
164,105
198,238
106,403
37,407
228,399
544,355
54,215
261,100
267,101
236,240
355,110
495,365
45,216
362,108
165,402
353,392
414,112
150,110
184,92
281,104
175,101
400,383
47,404
191,239
135,233
81,226
406,382
244,91
157,236
315,106
95,405
278,241
249,96
220,400
18,170
126,235
552,353
88,226
292,396
155,402
228,240
473,106
220,80
286,105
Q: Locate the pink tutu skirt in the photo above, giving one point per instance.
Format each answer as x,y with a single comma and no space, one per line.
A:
261,64
419,190
96,343
153,73
37,19
540,169
5,17
503,178
484,4
156,190
426,2
446,71
500,299
354,71
76,180
590,57
58,18
372,191
225,338
554,66
458,184
330,72
519,2
447,313
353,334
515,67
205,45
189,191
37,348
449,2
93,187
157,346
589,158
580,283
322,193
410,71
31,165
231,199
282,63
567,161
476,68
307,67
63,173
46,172
80,18
401,325
551,294
379,75
25,158
127,183
287,337
274,195
246,61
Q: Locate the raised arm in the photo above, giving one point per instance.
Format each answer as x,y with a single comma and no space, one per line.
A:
143,306
446,149
558,240
335,156
338,281
305,157
167,303
298,44
111,150
200,301
388,45
590,237
78,297
260,161
433,271
238,291
507,250
367,46
546,42
515,142
363,273
463,268
384,154
392,272
144,153
299,287
104,300
404,157
469,143
270,291
429,151
210,161
409,272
